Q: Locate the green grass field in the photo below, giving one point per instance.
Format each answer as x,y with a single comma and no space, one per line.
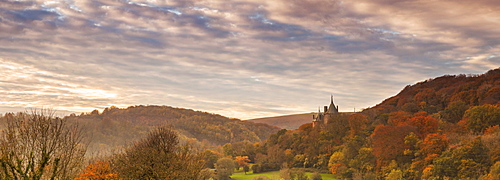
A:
240,175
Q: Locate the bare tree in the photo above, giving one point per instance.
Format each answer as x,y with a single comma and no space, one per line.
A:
37,145
159,156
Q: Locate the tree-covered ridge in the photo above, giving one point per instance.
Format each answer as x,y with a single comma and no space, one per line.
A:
442,128
116,127
436,94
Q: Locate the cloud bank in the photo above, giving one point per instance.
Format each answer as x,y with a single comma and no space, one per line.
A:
243,59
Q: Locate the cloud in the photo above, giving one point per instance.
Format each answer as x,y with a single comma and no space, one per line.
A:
245,59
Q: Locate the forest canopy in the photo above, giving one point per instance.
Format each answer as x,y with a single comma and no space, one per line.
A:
441,128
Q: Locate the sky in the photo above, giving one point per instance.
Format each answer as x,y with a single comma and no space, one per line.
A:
240,58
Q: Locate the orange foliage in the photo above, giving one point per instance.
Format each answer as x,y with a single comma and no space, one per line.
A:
492,130
242,160
435,94
357,123
492,96
434,144
420,113
422,163
388,142
398,117
462,127
98,171
335,168
425,124
427,172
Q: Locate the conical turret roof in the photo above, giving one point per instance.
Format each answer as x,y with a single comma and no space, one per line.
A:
332,108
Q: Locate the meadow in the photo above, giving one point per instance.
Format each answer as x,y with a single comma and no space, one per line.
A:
240,175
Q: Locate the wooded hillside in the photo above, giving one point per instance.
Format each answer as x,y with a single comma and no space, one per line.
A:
441,128
436,94
116,127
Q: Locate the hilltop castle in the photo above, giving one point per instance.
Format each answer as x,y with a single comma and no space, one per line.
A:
322,118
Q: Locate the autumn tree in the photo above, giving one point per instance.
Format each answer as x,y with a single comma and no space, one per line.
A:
352,146
159,156
395,174
272,160
98,170
455,111
434,144
242,161
413,141
427,96
38,145
228,149
429,149
337,160
243,148
364,160
211,157
338,126
481,117
410,107
466,162
425,124
357,123
398,117
388,143
491,137
225,168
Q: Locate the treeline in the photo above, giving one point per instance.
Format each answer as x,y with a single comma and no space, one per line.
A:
115,127
443,128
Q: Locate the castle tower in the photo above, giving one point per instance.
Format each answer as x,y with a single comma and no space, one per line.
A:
322,118
317,119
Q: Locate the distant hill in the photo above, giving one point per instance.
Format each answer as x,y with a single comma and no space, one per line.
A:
290,122
117,127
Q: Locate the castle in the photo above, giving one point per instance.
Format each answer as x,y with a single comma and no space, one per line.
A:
322,118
